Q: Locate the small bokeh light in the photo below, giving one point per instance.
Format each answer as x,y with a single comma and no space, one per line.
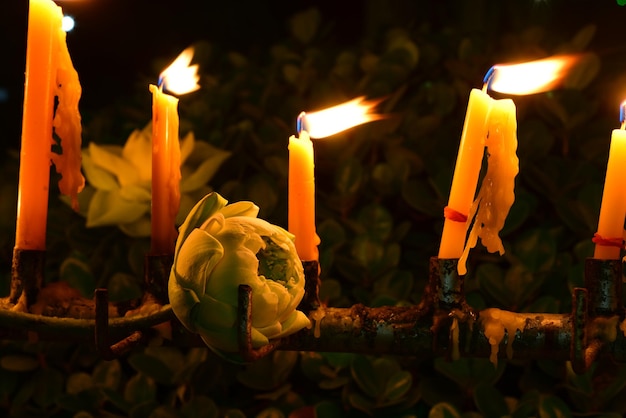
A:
67,23
4,95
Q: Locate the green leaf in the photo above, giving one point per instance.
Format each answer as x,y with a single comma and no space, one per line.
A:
490,401
397,284
536,249
208,160
270,413
368,252
143,410
270,372
123,286
200,407
583,37
421,197
328,409
361,403
378,220
583,72
444,410
152,367
107,374
304,25
523,206
553,407
365,377
398,385
262,191
78,382
535,140
49,386
331,233
76,271
469,372
349,177
139,389
234,413
109,208
330,289
19,363
398,40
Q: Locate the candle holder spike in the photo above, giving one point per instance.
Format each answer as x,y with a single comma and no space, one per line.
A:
244,329
311,299
156,275
101,330
442,323
27,271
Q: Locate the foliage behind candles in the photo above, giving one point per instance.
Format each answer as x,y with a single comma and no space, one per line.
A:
381,189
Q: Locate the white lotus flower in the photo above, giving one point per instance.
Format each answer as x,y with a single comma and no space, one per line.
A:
221,246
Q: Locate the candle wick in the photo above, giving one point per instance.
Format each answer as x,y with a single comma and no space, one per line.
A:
300,122
622,114
487,80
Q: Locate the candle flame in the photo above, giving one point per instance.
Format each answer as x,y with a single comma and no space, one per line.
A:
180,77
332,120
529,77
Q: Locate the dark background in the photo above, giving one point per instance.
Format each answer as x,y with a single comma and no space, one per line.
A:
116,41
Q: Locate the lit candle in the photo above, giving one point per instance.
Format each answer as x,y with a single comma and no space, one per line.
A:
178,78
466,171
525,78
608,239
302,196
49,73
497,191
319,124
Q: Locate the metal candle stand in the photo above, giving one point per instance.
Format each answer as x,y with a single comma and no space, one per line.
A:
442,323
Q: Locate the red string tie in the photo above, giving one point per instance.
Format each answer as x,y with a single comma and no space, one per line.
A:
453,215
607,242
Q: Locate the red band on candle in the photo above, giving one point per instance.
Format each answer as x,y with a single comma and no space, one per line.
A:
453,215
607,242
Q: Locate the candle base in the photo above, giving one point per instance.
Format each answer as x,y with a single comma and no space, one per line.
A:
27,272
311,299
447,285
603,280
156,275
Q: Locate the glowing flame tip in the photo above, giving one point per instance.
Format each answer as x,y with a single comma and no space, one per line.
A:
335,119
180,77
530,77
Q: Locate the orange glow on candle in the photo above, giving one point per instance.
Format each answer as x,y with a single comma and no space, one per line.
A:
524,78
302,197
613,207
44,24
468,163
317,124
180,78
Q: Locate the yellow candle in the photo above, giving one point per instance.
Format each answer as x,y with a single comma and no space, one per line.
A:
465,179
497,191
44,22
613,207
165,171
302,197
